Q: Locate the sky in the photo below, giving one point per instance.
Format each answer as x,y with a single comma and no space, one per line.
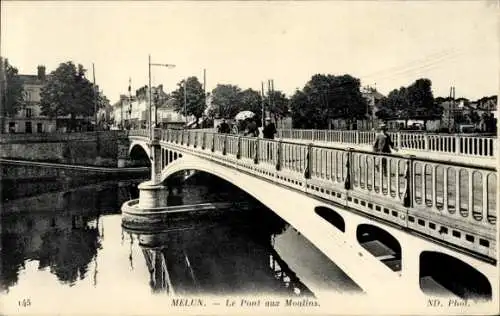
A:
386,44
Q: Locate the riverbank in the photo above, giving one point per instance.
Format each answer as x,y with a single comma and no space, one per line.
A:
28,178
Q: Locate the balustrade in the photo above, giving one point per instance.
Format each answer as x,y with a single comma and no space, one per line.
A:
477,146
424,195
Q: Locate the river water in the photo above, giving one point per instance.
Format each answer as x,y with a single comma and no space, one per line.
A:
71,244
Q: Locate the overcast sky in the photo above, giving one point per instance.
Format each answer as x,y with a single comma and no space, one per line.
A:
389,44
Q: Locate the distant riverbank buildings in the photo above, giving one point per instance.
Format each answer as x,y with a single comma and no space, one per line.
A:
131,111
29,118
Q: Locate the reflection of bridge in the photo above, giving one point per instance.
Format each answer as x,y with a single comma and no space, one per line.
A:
179,264
382,226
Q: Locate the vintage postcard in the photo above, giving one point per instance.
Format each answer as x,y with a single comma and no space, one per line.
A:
249,157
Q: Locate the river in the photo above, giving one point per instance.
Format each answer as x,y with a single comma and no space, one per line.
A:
72,244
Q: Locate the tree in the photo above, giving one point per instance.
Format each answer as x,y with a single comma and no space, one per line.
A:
277,105
251,100
474,117
395,106
12,97
195,98
304,113
329,97
226,100
68,92
421,101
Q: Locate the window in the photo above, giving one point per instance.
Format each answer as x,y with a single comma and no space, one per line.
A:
39,128
29,112
28,127
12,127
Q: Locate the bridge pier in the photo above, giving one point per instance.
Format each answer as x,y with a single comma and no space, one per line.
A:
152,195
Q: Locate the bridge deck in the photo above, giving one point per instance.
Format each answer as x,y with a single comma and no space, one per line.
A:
444,157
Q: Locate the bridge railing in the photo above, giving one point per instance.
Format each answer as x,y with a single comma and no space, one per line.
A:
477,146
451,202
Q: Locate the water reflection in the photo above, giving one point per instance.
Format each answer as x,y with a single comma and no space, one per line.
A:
75,237
225,258
62,231
64,243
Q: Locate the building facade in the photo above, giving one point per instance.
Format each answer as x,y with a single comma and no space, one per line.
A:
132,112
29,118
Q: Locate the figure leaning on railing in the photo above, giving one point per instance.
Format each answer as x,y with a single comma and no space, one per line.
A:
383,144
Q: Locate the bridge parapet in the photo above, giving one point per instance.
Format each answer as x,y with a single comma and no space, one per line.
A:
474,146
453,203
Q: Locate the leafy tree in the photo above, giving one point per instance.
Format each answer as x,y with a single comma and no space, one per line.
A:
195,98
277,105
421,101
251,100
68,92
304,113
12,98
226,101
332,97
396,105
474,118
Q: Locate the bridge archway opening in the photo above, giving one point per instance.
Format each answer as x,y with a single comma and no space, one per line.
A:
445,275
381,244
139,156
331,217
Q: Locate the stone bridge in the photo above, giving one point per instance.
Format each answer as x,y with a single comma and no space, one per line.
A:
392,222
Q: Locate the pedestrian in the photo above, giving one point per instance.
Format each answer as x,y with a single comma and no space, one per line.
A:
224,127
268,132
383,144
252,129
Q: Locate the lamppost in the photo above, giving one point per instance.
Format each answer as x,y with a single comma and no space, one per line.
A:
150,103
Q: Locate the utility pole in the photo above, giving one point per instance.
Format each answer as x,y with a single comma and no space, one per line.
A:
263,96
95,96
149,99
185,101
95,111
129,102
3,94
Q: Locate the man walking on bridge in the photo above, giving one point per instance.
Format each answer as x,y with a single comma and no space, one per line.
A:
383,144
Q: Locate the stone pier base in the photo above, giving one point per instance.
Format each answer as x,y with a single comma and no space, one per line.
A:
152,195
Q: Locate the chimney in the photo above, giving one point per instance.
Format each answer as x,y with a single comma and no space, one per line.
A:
41,73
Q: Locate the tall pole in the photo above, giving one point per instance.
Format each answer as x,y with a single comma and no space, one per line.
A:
263,111
3,95
129,102
95,96
95,110
185,101
149,111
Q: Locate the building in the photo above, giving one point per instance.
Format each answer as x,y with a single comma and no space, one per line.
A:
29,118
131,112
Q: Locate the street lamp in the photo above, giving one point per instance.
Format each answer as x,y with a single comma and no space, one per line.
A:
150,107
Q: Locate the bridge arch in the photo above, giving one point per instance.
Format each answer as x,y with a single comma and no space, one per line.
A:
331,216
442,274
139,152
381,244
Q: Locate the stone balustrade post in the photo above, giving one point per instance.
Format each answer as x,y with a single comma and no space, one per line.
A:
238,153
224,146
204,140
279,155
256,156
410,181
457,144
349,171
308,169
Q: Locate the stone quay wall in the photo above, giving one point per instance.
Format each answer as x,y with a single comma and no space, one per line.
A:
103,148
